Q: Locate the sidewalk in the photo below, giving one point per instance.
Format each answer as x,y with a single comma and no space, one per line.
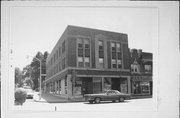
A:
51,98
141,96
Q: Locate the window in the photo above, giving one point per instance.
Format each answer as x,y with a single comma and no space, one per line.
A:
86,43
54,57
63,64
63,47
113,46
135,68
87,62
80,43
56,54
101,62
101,51
101,54
80,52
119,63
116,55
59,51
114,63
80,61
87,48
147,68
66,81
80,48
100,43
113,55
83,45
118,47
59,66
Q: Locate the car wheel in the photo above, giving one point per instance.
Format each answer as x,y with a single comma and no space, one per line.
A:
121,99
97,100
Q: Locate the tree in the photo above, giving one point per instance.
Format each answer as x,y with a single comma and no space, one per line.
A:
28,81
35,66
18,77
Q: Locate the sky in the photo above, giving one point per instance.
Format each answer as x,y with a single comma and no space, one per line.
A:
34,29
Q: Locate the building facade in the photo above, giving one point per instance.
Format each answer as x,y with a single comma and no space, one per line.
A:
86,61
141,73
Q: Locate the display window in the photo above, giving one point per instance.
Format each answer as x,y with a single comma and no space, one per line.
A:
77,87
107,84
140,87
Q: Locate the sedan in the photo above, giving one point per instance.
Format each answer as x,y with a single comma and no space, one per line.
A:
110,95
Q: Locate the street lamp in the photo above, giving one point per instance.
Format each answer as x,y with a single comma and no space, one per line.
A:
40,77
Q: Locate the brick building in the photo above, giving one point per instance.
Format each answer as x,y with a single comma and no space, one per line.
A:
141,73
88,61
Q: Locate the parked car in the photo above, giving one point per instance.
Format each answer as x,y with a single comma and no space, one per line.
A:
110,95
30,92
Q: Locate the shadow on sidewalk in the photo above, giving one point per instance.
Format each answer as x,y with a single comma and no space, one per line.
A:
51,98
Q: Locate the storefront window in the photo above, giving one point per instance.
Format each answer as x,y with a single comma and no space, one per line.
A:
78,85
141,87
123,86
107,84
97,85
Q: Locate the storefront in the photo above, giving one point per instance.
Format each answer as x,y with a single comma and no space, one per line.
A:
141,85
89,85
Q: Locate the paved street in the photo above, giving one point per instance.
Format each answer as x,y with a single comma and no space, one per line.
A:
128,105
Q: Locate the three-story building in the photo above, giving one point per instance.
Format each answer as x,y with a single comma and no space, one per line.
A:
88,61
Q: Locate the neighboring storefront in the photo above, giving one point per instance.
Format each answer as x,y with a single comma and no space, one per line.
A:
141,85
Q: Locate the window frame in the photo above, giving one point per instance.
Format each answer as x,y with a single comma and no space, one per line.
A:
84,49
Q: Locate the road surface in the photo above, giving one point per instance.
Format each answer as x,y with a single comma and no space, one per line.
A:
128,105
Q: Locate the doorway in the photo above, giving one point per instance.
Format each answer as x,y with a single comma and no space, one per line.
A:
87,85
115,84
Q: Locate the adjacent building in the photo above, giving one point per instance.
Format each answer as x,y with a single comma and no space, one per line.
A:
86,61
141,73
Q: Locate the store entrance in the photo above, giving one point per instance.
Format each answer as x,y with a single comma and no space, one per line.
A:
115,84
87,85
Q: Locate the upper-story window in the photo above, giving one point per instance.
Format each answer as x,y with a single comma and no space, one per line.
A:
63,63
56,54
59,51
54,57
80,48
135,68
80,62
147,68
114,64
113,46
87,47
83,58
116,55
101,54
63,47
118,47
87,62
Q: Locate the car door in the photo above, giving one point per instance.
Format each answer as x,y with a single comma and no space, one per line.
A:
112,95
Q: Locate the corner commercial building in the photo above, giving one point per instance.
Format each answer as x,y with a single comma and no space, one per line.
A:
88,61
